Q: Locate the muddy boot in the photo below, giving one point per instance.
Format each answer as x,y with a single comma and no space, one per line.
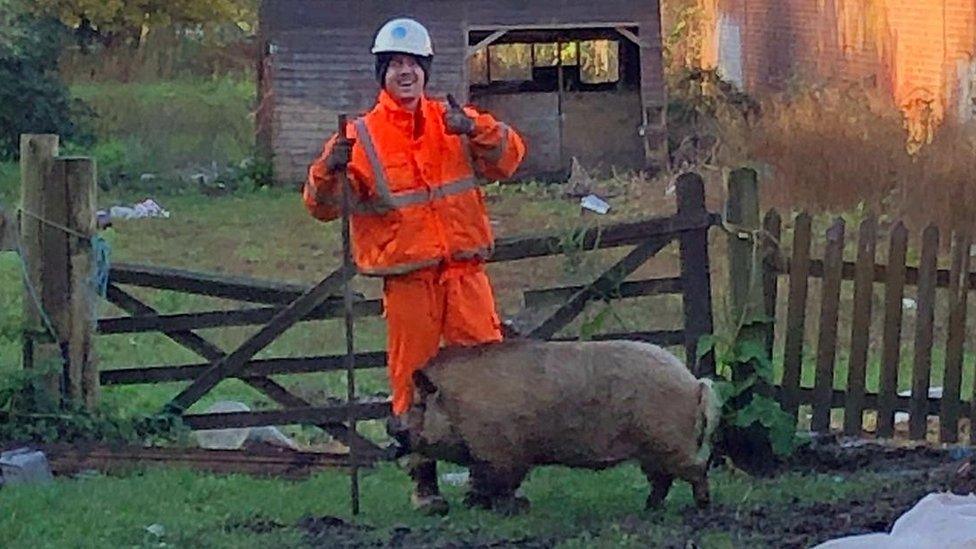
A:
426,497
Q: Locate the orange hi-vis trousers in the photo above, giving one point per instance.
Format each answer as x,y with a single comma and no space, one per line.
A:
451,303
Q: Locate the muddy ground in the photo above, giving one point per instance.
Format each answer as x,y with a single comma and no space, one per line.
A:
914,473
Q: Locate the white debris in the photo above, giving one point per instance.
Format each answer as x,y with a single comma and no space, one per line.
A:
594,203
934,392
902,417
24,466
456,479
145,209
938,521
909,303
234,439
271,435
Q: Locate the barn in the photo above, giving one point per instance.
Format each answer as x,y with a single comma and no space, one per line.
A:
578,78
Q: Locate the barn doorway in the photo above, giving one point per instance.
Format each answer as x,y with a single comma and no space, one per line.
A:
572,92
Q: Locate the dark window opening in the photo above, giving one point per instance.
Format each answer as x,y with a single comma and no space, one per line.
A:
536,61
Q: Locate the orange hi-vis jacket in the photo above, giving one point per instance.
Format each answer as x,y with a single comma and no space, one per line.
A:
416,200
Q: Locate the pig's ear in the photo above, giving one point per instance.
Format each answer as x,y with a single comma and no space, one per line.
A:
423,383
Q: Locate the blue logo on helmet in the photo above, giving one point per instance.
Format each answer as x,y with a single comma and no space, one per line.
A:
399,32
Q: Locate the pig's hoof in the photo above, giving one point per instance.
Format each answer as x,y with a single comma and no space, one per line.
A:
474,500
511,506
434,505
653,503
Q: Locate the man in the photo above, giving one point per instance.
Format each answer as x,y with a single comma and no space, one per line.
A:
419,218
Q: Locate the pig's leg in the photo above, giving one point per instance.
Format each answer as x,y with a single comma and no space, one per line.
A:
426,496
660,485
479,491
495,488
699,488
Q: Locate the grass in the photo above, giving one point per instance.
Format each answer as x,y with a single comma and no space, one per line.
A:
156,136
585,509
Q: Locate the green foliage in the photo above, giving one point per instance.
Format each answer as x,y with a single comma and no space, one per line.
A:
741,365
250,175
32,98
19,421
127,20
171,129
9,183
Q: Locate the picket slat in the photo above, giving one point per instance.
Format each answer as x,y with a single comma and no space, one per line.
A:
827,343
772,225
891,343
860,326
924,323
796,313
952,383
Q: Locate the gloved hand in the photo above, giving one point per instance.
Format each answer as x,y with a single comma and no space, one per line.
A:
340,155
456,120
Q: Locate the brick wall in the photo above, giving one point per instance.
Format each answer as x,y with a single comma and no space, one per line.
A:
912,49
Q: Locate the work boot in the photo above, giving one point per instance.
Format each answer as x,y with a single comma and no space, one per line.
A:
426,497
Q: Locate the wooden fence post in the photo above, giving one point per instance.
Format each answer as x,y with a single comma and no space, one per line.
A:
749,447
695,276
746,284
79,178
41,350
57,223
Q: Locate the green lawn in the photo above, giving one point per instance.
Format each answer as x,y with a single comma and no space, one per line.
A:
582,509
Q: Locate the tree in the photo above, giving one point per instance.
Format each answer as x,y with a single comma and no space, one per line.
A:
32,98
115,22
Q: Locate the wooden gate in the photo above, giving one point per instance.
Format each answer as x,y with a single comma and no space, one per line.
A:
279,306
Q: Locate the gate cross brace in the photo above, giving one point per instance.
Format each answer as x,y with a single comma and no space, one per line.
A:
211,352
603,285
231,364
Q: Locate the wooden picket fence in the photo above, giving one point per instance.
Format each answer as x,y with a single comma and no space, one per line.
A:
797,266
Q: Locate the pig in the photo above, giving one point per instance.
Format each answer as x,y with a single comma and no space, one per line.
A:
502,409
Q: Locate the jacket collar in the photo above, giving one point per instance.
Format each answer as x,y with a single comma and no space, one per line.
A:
401,117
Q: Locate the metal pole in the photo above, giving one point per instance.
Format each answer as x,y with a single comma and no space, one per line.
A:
350,361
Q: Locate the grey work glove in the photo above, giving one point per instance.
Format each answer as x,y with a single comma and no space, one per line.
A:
339,157
456,120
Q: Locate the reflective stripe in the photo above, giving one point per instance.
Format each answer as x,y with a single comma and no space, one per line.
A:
387,200
400,269
483,252
420,196
382,186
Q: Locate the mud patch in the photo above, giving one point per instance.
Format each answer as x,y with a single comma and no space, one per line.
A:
334,532
807,524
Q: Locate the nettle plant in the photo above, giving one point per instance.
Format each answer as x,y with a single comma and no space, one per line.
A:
743,368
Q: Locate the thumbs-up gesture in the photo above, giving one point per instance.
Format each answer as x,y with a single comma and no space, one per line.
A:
455,119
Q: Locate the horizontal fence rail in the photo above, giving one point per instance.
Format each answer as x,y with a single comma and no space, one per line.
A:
928,308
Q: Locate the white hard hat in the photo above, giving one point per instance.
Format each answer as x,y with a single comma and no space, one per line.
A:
403,36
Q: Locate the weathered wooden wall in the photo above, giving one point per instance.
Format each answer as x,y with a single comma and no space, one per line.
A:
317,59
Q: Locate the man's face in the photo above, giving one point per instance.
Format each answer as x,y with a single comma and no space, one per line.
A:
404,79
